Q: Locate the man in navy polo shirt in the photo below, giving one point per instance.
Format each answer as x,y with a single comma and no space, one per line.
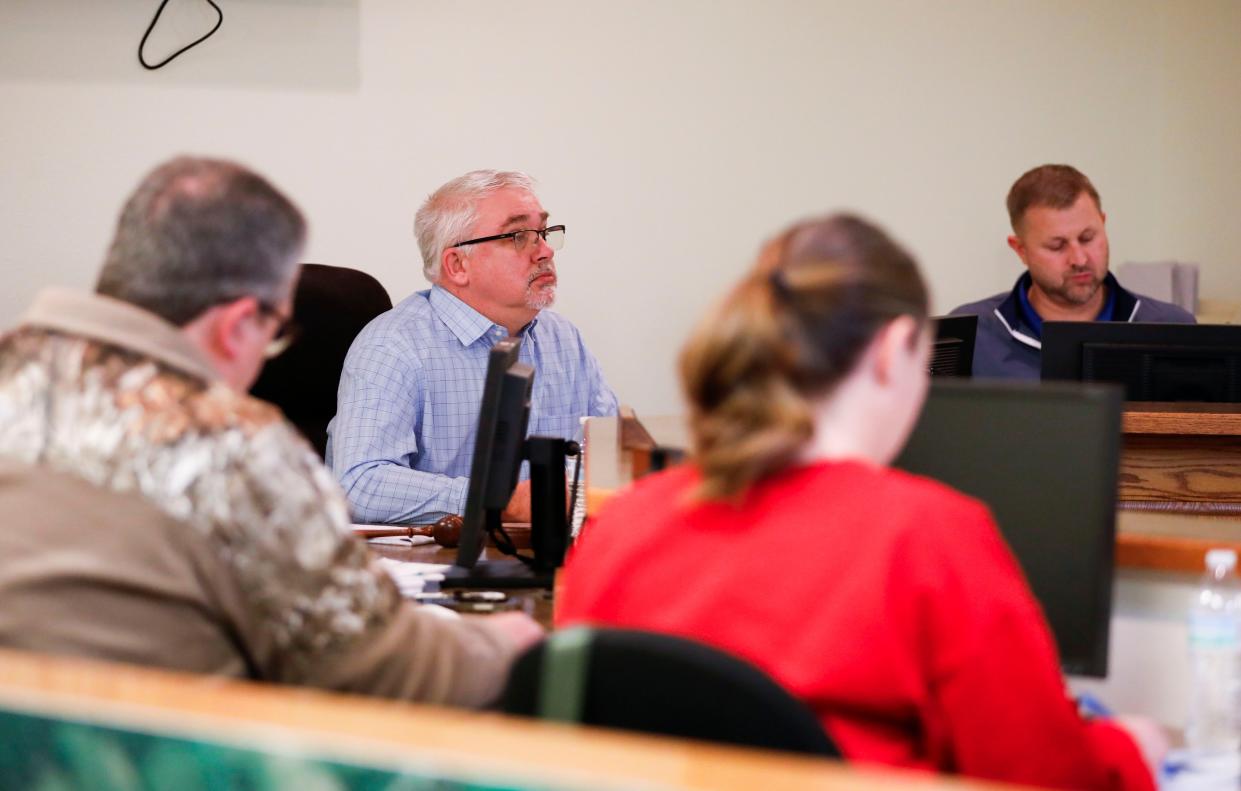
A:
1059,233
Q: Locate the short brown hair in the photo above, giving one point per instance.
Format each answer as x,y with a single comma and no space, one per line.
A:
1054,186
789,333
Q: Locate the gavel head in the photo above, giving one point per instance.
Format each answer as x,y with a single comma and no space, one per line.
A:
447,531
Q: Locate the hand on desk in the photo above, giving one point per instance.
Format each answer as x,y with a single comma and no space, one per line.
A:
521,630
518,509
1150,737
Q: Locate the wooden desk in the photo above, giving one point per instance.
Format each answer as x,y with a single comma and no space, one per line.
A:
1179,492
116,718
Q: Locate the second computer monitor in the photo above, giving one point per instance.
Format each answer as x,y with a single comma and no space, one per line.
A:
1044,459
1154,362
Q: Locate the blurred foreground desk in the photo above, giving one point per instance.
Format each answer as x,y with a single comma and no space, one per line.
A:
68,723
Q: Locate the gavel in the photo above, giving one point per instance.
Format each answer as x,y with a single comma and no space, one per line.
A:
446,531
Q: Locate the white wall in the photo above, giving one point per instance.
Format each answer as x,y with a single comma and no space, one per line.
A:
671,137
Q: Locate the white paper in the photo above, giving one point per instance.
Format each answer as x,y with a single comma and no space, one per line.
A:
411,578
402,541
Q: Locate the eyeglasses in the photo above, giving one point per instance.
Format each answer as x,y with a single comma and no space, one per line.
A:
554,236
286,330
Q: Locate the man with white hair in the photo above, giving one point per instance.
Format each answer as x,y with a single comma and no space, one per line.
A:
402,440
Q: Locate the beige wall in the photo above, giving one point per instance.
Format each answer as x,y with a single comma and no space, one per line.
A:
671,137
1200,203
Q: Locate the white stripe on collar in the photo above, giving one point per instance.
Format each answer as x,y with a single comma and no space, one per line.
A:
1019,336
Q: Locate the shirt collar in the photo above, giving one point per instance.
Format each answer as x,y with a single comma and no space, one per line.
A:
1109,306
1119,302
1028,313
466,323
119,323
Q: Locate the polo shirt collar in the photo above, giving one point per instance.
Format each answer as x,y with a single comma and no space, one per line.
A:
121,324
1035,321
465,323
1127,303
1026,326
1013,316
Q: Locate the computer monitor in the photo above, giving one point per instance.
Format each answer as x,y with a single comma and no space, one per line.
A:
500,447
1154,362
1044,459
496,466
952,352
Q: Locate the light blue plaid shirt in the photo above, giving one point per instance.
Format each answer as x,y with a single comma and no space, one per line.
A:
402,440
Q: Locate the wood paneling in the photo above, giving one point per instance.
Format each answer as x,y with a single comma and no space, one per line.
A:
1192,468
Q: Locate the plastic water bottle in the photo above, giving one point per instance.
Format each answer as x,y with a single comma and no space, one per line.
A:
1214,730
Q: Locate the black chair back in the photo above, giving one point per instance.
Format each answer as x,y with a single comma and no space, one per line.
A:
331,306
657,683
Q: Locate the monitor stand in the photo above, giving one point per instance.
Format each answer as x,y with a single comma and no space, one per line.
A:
549,526
499,573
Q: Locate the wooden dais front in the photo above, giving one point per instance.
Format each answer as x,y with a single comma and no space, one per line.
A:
1179,484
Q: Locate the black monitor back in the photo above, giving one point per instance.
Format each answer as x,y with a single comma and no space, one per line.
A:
952,351
1044,459
498,447
1154,362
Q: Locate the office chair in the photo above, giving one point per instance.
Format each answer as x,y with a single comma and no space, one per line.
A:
657,683
331,306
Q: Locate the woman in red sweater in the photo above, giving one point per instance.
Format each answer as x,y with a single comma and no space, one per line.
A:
888,602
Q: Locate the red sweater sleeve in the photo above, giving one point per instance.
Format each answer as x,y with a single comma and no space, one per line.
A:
990,665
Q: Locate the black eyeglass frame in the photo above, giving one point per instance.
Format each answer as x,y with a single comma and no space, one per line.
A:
287,330
287,325
511,235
